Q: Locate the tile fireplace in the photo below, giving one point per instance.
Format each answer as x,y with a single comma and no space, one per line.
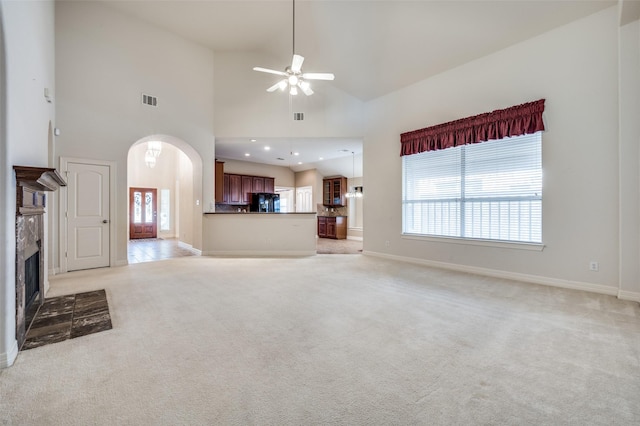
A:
31,184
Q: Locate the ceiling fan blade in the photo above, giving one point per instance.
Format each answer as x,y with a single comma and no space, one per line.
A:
296,63
279,85
269,71
306,89
318,76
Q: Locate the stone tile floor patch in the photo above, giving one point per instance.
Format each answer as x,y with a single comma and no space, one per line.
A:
67,317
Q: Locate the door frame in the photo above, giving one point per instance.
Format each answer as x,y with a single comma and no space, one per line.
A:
113,218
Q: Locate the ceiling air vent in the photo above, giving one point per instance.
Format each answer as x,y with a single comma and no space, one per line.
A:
298,116
149,100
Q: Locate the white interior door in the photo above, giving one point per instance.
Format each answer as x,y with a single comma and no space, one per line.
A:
304,199
87,216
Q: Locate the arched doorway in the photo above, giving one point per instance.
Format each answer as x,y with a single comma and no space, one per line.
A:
161,176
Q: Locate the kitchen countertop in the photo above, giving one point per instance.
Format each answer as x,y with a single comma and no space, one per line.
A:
259,213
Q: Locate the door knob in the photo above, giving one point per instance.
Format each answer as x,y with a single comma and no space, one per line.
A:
105,221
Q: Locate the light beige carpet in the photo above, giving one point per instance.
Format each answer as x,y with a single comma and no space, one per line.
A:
341,339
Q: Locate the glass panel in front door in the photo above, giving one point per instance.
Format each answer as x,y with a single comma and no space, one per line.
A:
148,207
137,212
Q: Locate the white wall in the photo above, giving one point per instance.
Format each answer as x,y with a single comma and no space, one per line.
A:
313,179
104,61
26,69
575,68
243,107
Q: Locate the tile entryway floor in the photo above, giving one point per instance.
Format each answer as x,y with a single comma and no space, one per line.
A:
149,250
67,317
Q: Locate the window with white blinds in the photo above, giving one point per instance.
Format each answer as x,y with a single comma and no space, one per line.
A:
490,191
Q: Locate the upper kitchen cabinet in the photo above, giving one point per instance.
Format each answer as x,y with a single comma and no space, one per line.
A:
333,191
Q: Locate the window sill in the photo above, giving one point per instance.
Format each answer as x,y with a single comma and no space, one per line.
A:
477,242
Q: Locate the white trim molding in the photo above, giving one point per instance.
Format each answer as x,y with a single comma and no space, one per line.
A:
8,358
629,295
516,276
190,248
259,253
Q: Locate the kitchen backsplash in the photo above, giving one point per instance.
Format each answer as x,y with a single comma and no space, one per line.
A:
331,211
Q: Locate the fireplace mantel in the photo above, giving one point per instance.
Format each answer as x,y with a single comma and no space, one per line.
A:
32,182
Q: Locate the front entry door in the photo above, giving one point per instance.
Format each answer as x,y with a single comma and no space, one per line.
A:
143,214
87,216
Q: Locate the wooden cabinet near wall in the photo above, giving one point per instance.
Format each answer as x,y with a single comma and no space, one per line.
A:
219,185
333,191
258,184
269,185
332,227
237,189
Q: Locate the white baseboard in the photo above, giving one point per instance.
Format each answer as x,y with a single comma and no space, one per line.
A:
8,358
629,295
54,271
355,238
124,262
534,279
257,253
189,247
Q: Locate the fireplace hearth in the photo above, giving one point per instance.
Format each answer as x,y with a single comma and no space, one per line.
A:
31,184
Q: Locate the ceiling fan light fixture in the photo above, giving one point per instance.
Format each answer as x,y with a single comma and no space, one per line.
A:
293,74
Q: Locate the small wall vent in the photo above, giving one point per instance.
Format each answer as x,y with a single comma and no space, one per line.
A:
149,100
298,116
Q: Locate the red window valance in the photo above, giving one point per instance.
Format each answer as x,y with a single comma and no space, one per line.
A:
514,121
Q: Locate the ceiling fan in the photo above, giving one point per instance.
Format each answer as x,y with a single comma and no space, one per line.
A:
294,78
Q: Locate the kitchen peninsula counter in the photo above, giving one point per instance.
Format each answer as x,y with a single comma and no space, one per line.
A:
259,234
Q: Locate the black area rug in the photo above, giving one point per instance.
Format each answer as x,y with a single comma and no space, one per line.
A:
67,317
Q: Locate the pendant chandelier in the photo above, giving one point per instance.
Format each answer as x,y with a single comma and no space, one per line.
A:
355,191
154,148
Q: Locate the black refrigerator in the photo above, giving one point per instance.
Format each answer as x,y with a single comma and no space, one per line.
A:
265,202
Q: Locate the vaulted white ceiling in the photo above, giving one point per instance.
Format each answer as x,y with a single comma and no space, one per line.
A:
373,47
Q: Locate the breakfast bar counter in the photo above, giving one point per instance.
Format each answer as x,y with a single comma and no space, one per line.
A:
259,234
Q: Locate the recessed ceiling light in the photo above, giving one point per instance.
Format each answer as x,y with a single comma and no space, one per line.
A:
253,140
246,154
267,148
299,162
296,153
321,158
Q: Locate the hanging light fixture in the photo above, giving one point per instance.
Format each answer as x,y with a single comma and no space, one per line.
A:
293,77
355,191
150,159
155,148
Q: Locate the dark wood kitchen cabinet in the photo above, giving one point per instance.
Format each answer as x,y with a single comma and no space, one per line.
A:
332,227
237,189
219,186
247,189
269,185
258,184
334,191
